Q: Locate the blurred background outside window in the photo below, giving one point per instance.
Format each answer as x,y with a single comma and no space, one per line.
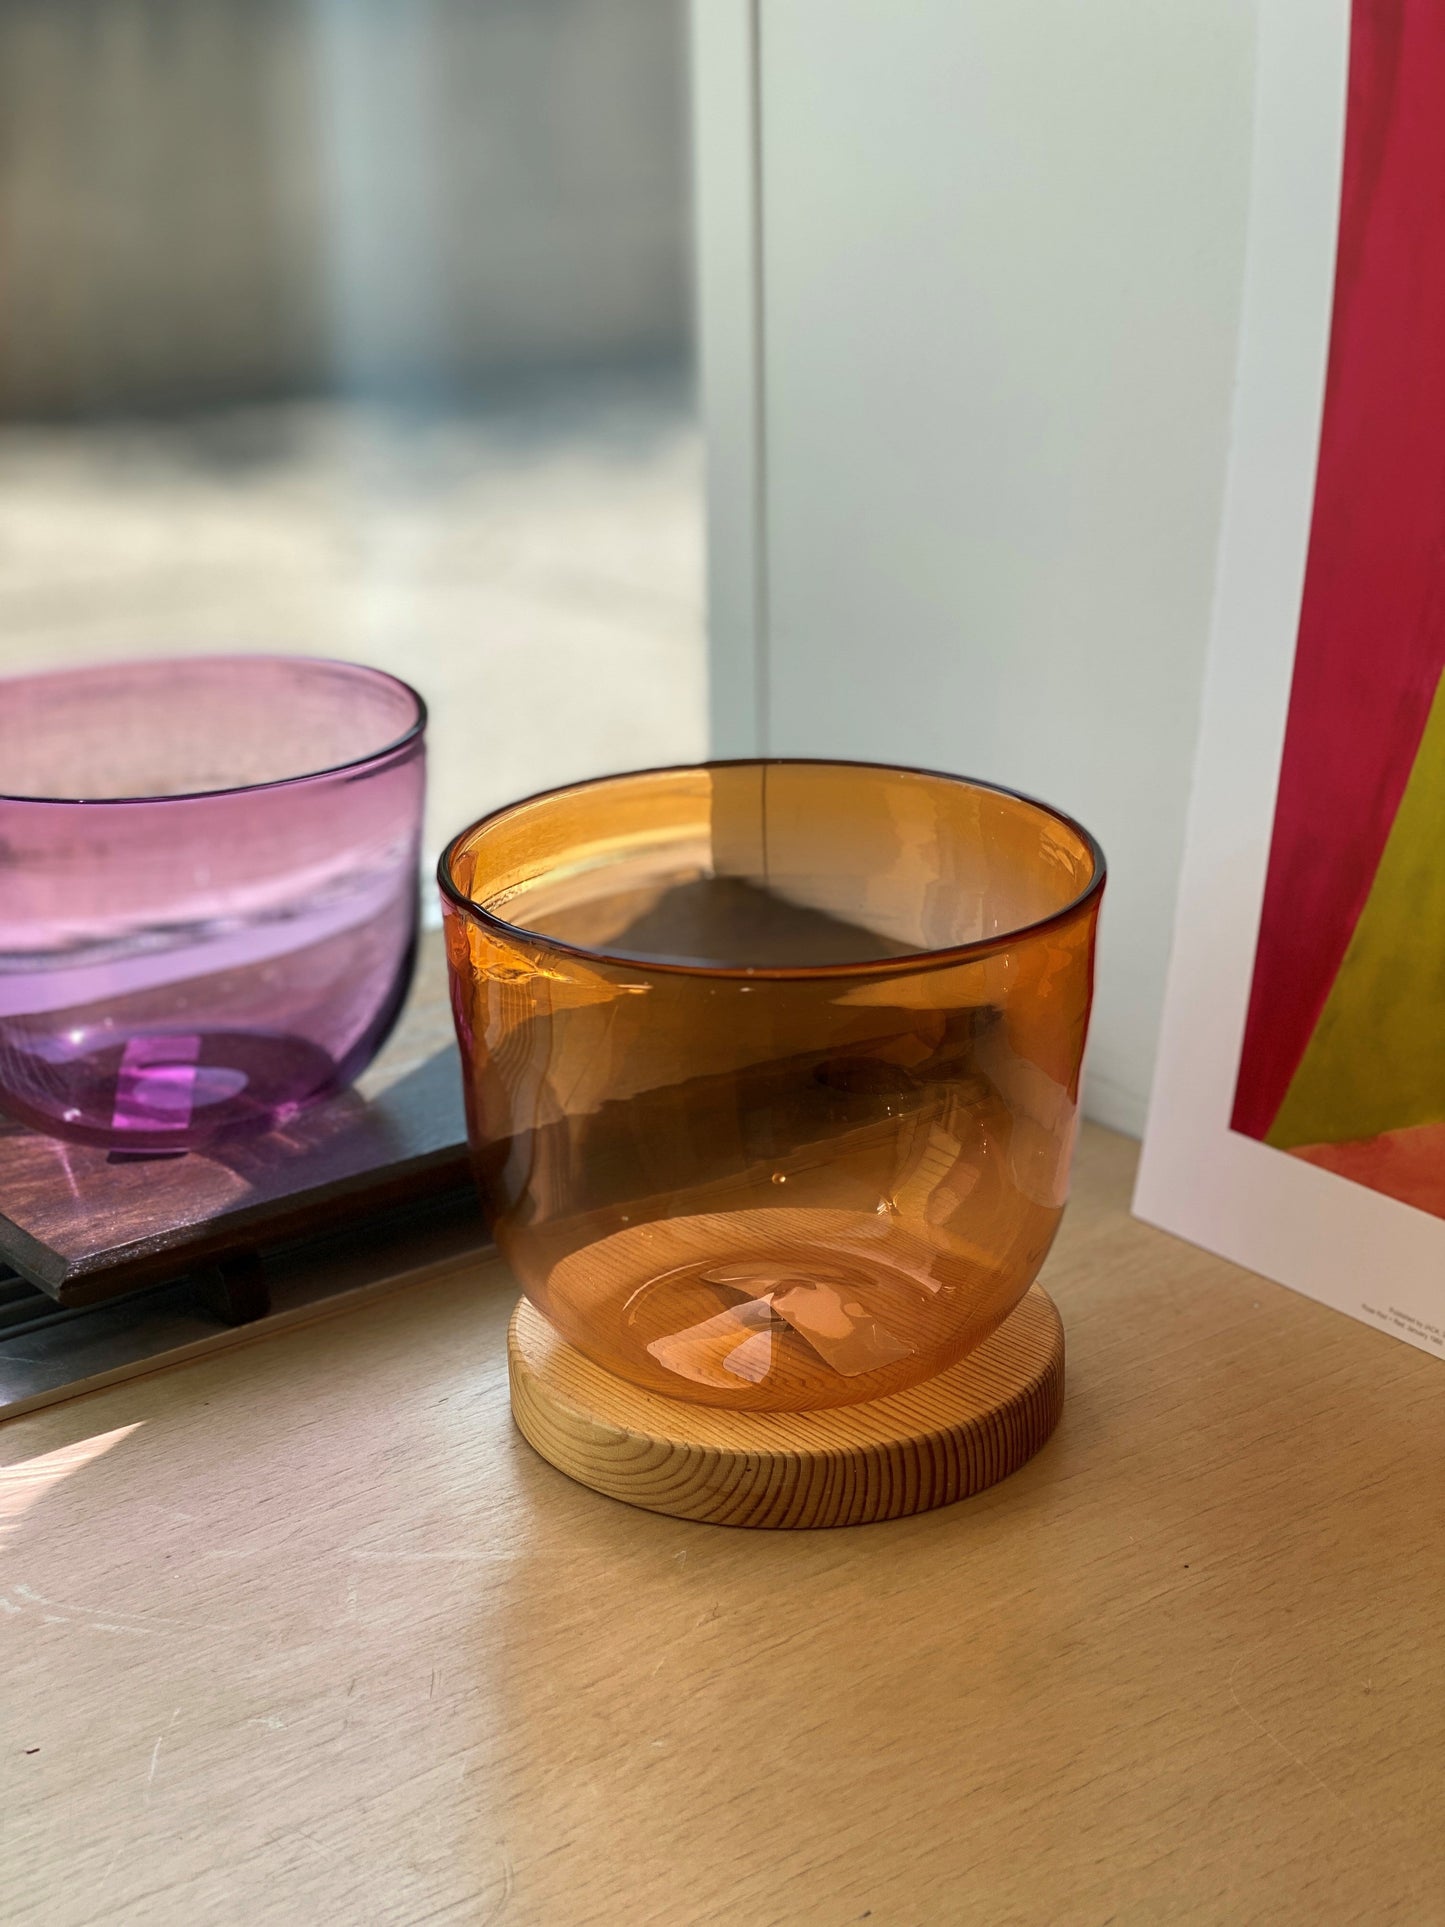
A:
361,328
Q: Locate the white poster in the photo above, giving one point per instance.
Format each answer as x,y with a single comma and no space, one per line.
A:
1297,1123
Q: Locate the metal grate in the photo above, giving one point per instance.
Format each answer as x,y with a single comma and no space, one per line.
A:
50,1351
26,1308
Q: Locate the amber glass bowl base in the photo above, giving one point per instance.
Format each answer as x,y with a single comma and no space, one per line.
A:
938,1441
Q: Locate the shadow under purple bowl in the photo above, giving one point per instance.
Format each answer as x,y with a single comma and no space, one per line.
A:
208,891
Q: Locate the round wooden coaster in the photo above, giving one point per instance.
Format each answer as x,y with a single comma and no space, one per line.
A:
942,1440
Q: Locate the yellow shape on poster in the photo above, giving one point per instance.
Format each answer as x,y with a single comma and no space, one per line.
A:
1376,1061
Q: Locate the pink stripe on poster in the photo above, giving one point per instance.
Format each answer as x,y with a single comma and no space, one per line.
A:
1371,645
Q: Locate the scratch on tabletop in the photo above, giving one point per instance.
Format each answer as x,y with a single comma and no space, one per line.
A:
509,1881
31,1597
450,1555
1274,1740
156,1752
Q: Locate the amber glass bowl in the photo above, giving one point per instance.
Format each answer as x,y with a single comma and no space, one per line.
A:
772,1067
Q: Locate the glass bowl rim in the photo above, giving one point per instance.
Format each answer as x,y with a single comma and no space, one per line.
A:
414,729
909,964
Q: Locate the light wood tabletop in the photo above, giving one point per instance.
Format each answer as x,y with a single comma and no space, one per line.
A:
306,1633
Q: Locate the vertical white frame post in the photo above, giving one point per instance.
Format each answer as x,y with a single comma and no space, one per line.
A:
728,198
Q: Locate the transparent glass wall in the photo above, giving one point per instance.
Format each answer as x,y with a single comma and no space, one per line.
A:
362,329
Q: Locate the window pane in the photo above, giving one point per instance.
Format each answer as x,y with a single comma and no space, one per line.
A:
361,328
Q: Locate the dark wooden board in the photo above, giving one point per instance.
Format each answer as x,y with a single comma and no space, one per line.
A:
85,1224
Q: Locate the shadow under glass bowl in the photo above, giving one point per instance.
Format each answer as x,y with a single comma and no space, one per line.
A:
772,1067
208,891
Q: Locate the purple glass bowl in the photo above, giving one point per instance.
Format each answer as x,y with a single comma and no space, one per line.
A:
208,891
